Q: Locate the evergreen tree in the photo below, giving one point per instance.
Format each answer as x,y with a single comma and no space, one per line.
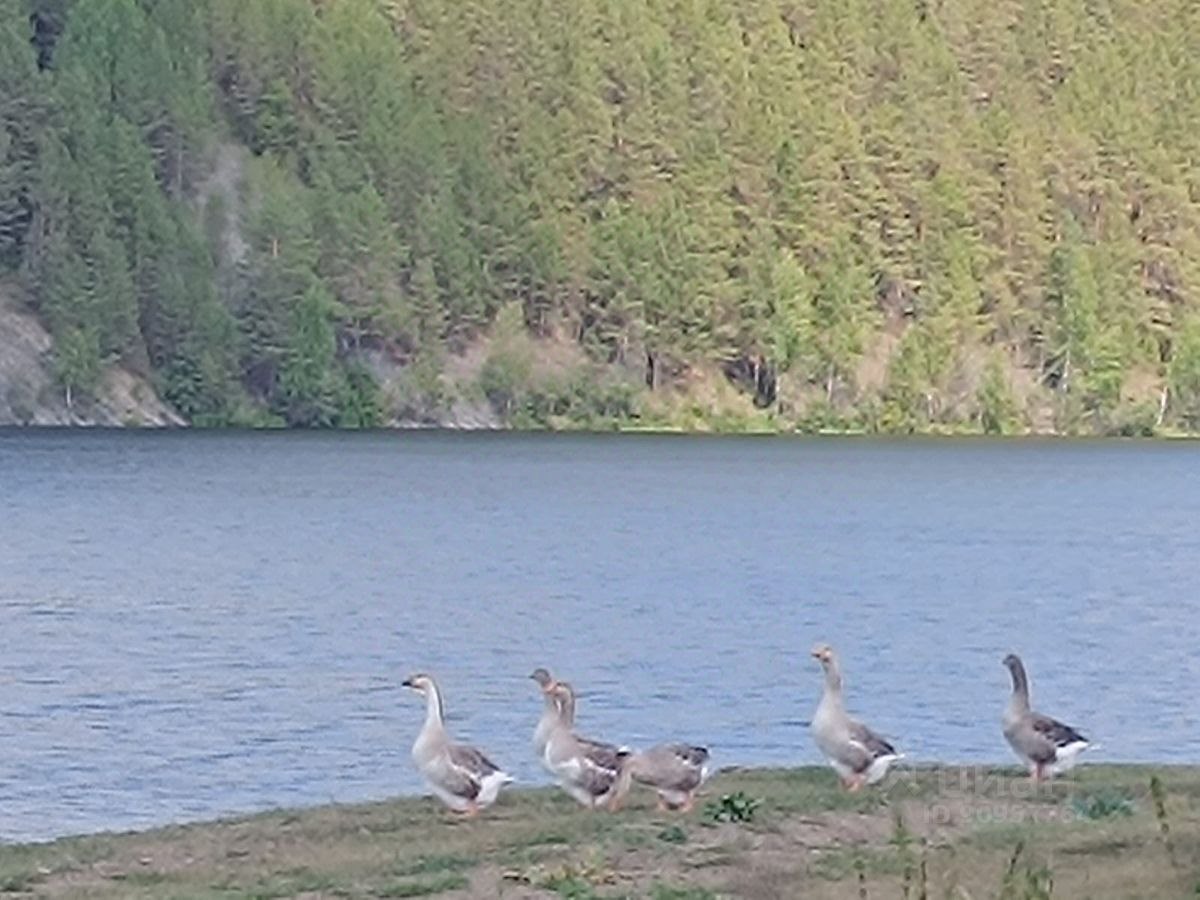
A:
306,393
18,129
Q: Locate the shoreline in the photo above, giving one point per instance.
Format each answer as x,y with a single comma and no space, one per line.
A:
753,832
898,774
931,436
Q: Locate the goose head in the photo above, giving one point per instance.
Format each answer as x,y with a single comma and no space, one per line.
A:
543,679
1020,680
823,653
419,682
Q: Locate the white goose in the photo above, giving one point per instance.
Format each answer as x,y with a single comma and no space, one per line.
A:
856,753
1045,745
461,776
587,770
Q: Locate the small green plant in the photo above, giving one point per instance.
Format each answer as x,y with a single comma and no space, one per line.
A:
860,869
570,886
17,882
673,834
666,892
736,807
1103,805
902,839
1159,794
916,875
574,880
1026,881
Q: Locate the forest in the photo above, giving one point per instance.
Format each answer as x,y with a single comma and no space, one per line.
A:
886,216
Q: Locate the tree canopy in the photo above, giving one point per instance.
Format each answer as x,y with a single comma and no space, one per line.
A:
896,215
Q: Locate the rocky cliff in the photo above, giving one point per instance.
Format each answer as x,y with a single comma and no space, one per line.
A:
30,394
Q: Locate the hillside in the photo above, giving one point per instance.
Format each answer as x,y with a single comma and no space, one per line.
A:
886,215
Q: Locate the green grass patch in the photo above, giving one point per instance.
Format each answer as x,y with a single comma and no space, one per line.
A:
1105,804
450,881
541,838
290,883
142,879
570,886
837,865
673,834
18,882
667,892
427,865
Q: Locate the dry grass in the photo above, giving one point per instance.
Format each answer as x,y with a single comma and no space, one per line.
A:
930,833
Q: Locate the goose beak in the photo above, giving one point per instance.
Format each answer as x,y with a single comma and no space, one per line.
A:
408,683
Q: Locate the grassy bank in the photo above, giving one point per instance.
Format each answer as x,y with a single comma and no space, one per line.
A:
1107,831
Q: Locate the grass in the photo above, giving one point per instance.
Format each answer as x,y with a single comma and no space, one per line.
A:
440,885
1111,831
1102,805
427,865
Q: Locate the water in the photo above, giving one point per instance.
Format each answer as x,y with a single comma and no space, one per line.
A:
198,624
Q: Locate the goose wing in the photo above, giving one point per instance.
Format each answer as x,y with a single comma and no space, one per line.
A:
600,755
1054,731
864,747
599,765
466,768
871,742
1032,742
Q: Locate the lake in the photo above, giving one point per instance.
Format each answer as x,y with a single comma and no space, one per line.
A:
197,624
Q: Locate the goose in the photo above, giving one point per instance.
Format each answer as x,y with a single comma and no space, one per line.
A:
541,734
1045,745
675,771
587,770
856,753
461,776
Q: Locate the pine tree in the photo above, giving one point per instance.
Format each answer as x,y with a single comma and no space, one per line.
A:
18,120
306,393
114,297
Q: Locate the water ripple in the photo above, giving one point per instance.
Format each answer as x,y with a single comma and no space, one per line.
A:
196,625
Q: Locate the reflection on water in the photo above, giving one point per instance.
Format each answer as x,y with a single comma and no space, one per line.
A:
197,624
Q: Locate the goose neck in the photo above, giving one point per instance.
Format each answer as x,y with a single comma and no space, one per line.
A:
833,680
435,711
566,707
1020,692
